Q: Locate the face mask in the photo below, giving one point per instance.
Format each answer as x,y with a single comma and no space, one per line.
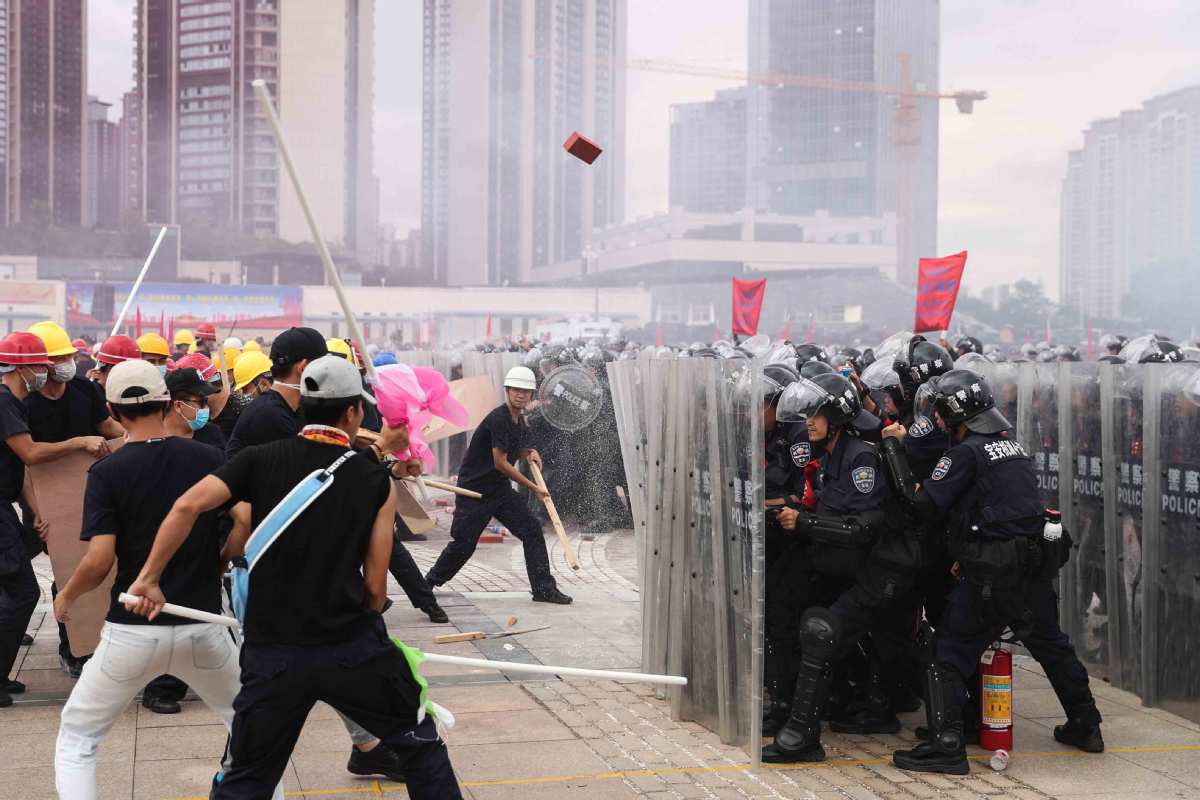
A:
295,386
162,369
200,420
65,371
39,380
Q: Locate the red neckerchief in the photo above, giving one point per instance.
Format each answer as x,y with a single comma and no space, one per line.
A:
325,435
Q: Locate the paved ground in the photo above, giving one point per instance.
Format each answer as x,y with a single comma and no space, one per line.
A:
583,739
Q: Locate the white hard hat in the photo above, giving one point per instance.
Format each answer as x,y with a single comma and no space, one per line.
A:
232,342
520,378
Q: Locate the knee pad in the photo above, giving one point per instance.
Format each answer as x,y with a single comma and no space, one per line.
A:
820,631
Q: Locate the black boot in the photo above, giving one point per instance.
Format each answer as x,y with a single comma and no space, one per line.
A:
1082,729
946,751
776,707
800,738
873,713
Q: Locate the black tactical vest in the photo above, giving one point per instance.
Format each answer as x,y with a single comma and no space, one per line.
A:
1005,502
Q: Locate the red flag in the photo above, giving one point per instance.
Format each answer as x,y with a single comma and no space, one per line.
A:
717,332
747,305
808,334
786,333
658,335
488,333
1049,337
137,321
937,290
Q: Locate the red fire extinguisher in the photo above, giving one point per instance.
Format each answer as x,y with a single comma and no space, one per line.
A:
995,699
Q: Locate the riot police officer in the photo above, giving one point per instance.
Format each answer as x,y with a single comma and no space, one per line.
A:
985,485
848,538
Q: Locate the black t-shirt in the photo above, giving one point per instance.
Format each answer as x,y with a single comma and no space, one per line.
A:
268,419
128,495
307,588
14,420
211,435
78,412
233,409
497,430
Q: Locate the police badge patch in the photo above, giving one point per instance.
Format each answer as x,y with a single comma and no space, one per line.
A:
943,466
921,427
801,453
864,479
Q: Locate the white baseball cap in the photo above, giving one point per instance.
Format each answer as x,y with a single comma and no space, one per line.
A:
332,378
135,382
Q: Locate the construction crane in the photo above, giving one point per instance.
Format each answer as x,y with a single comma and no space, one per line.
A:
907,122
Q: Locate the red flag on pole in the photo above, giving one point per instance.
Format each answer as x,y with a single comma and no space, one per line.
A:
1089,350
1049,336
137,321
786,333
937,290
488,333
747,305
658,335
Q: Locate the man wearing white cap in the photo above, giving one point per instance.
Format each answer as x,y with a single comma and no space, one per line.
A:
312,599
127,496
487,468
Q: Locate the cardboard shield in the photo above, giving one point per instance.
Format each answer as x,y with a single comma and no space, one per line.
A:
411,511
59,486
478,396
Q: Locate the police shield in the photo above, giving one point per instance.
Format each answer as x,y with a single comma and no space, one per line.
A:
571,398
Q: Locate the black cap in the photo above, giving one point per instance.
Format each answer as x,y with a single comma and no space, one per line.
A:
188,381
297,344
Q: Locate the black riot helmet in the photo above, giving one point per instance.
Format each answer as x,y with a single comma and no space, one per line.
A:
1153,351
968,344
829,395
808,352
922,360
776,378
814,368
1065,352
963,397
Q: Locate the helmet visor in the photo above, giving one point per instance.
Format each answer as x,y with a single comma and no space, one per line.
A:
880,375
924,401
801,400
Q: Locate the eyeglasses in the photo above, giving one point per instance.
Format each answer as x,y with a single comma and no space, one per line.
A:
194,402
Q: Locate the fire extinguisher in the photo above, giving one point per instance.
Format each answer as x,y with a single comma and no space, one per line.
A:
995,699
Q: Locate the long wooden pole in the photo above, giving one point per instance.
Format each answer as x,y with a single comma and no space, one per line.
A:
555,520
264,97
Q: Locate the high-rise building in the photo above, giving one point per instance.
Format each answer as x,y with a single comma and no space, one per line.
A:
103,208
1130,201
129,159
817,148
708,154
207,150
505,84
45,44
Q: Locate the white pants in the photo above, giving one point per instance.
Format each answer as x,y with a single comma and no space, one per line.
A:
203,656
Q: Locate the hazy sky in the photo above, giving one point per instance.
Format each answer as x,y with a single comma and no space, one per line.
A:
1050,67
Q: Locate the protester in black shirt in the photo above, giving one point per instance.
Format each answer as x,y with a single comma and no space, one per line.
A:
188,415
23,369
312,625
487,468
128,494
276,413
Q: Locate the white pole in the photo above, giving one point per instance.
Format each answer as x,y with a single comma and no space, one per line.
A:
264,97
436,658
138,283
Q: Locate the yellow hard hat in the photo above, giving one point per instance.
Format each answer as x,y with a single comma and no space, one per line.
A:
339,347
252,344
230,357
56,340
184,336
249,366
152,344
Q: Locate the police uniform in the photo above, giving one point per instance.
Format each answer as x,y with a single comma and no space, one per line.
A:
986,486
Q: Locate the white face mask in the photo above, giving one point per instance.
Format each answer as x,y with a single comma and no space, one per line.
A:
65,371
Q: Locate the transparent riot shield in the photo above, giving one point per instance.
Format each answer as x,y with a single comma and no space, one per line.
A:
628,395
1084,593
1121,406
1171,537
1037,425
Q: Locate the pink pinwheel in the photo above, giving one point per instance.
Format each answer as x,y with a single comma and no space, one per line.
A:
437,402
398,394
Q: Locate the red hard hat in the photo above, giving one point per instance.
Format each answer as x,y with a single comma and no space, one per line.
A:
199,362
79,344
116,349
206,330
23,349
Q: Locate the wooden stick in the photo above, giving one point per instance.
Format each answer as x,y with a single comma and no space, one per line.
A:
451,638
447,487
502,634
555,520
